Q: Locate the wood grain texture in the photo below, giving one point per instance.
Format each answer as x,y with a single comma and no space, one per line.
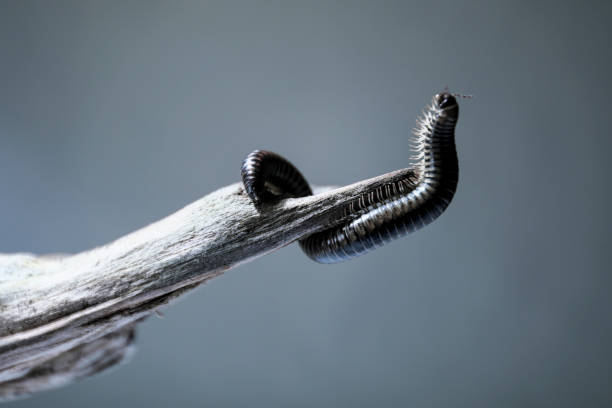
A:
65,317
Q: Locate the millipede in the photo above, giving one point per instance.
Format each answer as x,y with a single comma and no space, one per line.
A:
384,213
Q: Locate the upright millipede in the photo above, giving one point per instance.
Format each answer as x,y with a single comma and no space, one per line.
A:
382,214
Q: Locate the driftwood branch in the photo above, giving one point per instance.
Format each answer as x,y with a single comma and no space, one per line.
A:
67,317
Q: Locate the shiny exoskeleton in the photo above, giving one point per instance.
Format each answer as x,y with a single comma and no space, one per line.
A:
385,213
267,177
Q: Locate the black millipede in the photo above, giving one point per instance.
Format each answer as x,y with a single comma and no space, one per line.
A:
382,214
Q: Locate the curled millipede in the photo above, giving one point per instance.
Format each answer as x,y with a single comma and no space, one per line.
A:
268,176
382,214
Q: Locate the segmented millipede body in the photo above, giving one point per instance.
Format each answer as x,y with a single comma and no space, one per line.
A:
268,176
384,213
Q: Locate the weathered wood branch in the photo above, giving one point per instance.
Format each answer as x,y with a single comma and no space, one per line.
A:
67,317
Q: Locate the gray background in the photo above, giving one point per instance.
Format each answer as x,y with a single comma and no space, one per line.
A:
115,114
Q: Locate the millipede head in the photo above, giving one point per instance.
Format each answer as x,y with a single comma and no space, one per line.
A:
447,102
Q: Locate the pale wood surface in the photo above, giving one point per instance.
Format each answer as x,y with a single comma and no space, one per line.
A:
65,317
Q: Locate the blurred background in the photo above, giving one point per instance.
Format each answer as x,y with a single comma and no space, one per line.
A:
115,114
